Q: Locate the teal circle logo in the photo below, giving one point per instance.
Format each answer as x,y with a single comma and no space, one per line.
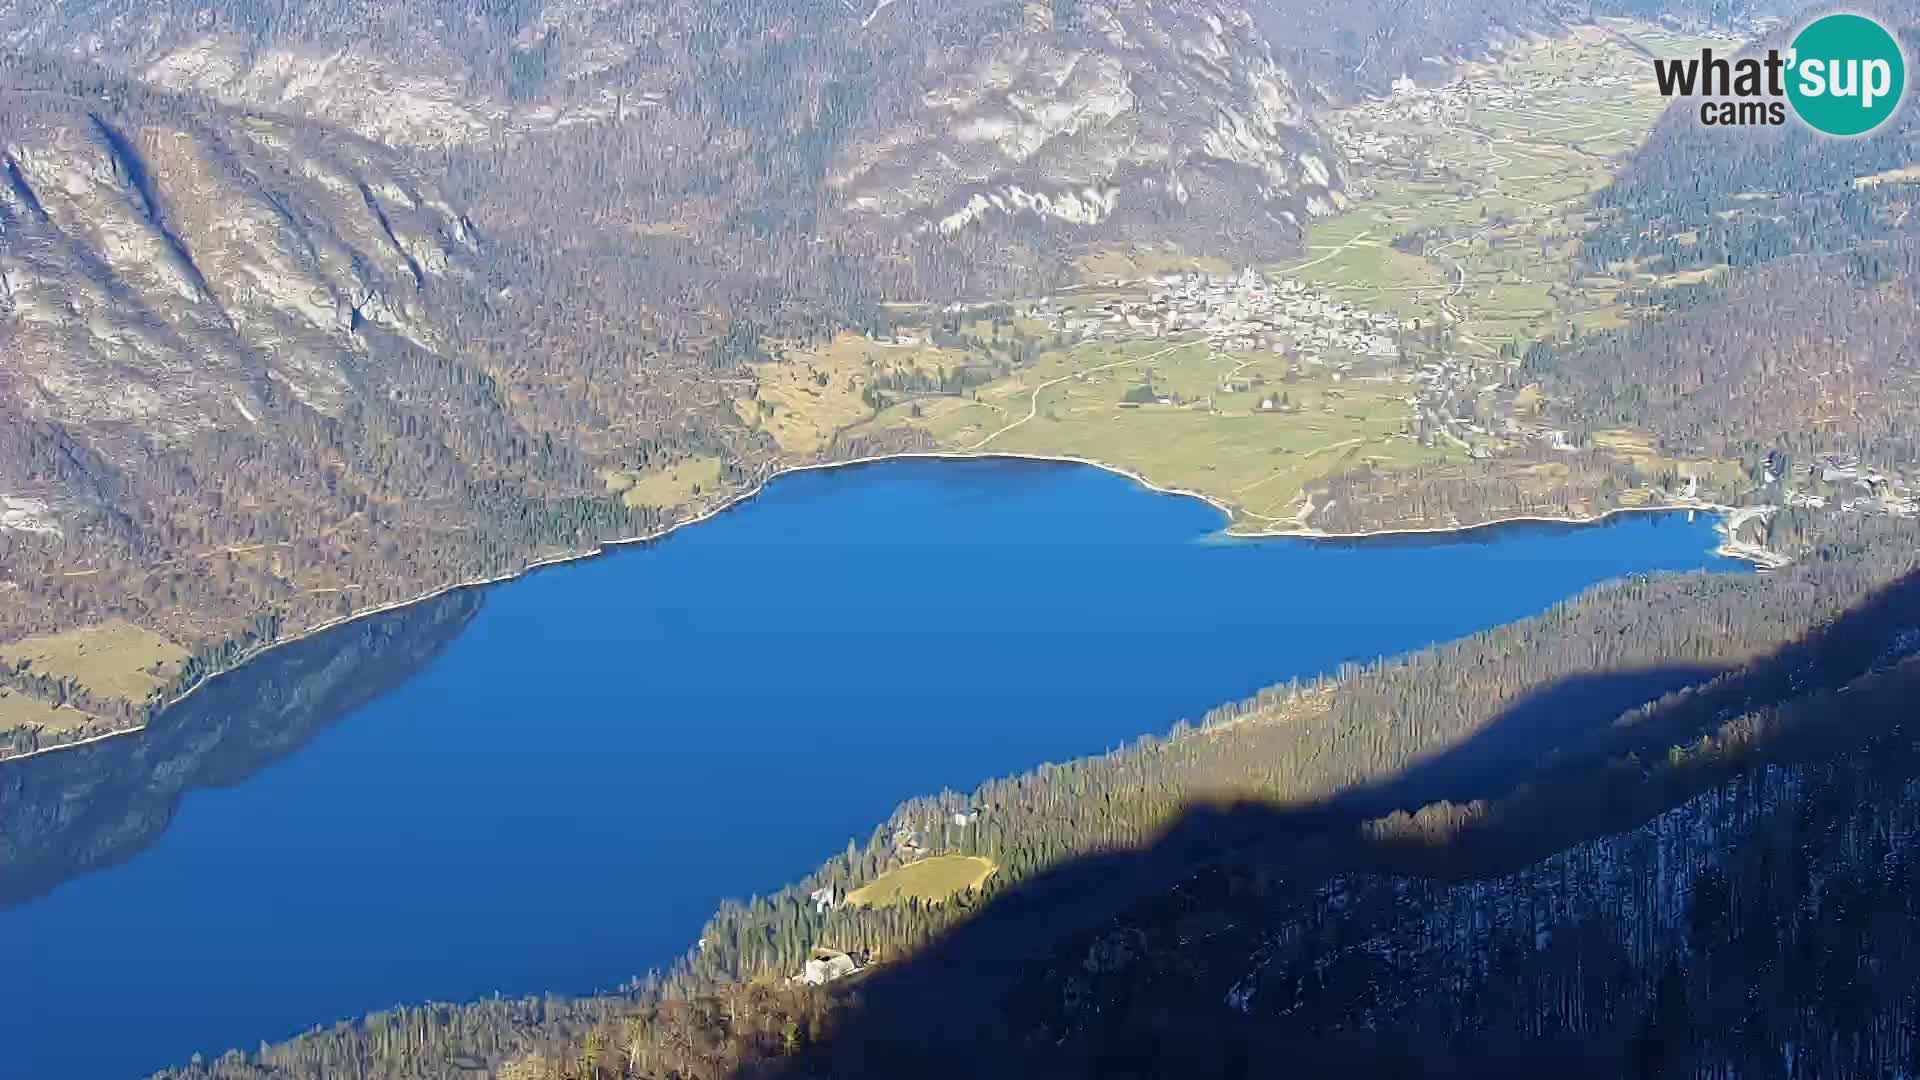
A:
1848,75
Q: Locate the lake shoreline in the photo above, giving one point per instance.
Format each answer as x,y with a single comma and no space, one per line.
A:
1759,557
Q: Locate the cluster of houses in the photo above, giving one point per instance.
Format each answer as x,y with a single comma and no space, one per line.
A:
1244,314
909,842
19,513
1251,313
1392,129
1444,388
1853,488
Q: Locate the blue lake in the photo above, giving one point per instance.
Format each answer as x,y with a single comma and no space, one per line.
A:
560,797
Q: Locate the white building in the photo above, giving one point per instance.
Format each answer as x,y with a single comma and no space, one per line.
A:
826,966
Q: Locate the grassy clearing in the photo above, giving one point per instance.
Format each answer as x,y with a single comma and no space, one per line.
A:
804,397
930,881
1637,449
807,396
20,711
111,660
671,486
1701,276
1213,437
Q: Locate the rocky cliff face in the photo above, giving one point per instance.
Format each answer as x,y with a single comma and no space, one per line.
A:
401,74
207,319
162,275
1129,112
1078,113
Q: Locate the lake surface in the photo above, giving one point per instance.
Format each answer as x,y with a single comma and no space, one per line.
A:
563,794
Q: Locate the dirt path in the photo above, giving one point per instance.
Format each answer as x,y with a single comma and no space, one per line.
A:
1033,405
1239,367
1354,239
1305,455
1459,271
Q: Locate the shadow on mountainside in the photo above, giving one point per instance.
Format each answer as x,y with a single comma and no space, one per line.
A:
1583,757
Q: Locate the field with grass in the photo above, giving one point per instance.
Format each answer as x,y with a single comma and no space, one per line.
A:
674,485
1498,192
111,660
1211,435
1135,261
930,881
808,395
17,710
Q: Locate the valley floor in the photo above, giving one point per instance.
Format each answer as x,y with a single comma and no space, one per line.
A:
1382,384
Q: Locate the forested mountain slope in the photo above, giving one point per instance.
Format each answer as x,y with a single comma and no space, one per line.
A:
1765,924
1789,320
773,125
244,354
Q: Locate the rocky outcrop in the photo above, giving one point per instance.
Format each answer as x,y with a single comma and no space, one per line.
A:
1128,113
1094,113
166,275
1110,118
399,77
